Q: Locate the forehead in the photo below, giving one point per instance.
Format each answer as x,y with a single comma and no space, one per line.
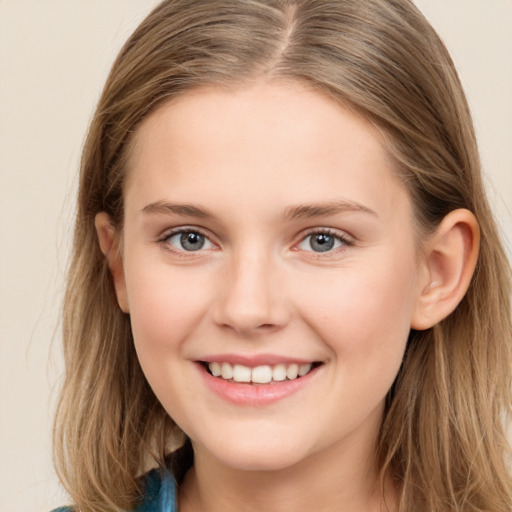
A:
281,141
257,111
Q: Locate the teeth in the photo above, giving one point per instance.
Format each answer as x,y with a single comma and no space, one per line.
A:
216,369
241,373
226,371
293,371
304,369
259,374
279,372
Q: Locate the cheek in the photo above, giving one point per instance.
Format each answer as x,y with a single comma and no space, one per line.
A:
165,305
364,313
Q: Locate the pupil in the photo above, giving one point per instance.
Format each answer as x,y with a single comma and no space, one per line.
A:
192,241
322,242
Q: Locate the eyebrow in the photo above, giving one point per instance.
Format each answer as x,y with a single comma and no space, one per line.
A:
184,209
301,211
306,211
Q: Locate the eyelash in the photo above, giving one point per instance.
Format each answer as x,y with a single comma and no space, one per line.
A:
342,240
183,253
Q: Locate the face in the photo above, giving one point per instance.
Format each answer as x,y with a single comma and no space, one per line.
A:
270,272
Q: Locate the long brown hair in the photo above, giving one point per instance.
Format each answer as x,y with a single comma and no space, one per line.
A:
442,439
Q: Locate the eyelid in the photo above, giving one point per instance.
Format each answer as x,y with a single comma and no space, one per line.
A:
163,239
345,239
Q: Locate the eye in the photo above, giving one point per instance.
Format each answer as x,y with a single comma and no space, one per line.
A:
188,240
322,241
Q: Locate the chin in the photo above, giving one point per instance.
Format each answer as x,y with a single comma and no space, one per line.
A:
259,456
268,462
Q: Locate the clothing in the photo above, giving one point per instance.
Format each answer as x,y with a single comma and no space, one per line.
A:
160,494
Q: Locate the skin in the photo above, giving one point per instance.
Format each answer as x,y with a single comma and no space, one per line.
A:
248,157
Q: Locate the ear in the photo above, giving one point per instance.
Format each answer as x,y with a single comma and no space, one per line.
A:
448,263
109,245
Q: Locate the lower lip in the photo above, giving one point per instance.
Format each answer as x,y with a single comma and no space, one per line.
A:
255,394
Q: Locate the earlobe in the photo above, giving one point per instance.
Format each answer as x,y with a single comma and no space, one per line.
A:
449,260
109,245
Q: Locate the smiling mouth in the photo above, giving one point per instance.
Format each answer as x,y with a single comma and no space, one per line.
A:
264,374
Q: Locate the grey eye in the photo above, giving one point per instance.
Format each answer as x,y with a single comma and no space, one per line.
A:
321,242
188,241
192,241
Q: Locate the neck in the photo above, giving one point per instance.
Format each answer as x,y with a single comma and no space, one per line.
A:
327,481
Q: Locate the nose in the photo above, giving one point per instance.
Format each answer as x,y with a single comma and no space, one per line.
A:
251,297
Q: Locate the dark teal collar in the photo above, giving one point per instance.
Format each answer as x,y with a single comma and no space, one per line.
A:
160,492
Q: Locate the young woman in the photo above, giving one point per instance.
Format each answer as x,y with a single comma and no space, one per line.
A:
287,289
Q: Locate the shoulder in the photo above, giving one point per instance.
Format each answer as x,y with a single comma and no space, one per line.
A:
159,495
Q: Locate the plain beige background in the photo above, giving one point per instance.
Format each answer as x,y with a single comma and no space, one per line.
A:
54,57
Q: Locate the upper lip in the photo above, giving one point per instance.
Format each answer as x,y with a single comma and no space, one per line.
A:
255,360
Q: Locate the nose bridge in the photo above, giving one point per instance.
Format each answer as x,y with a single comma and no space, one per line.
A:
251,298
